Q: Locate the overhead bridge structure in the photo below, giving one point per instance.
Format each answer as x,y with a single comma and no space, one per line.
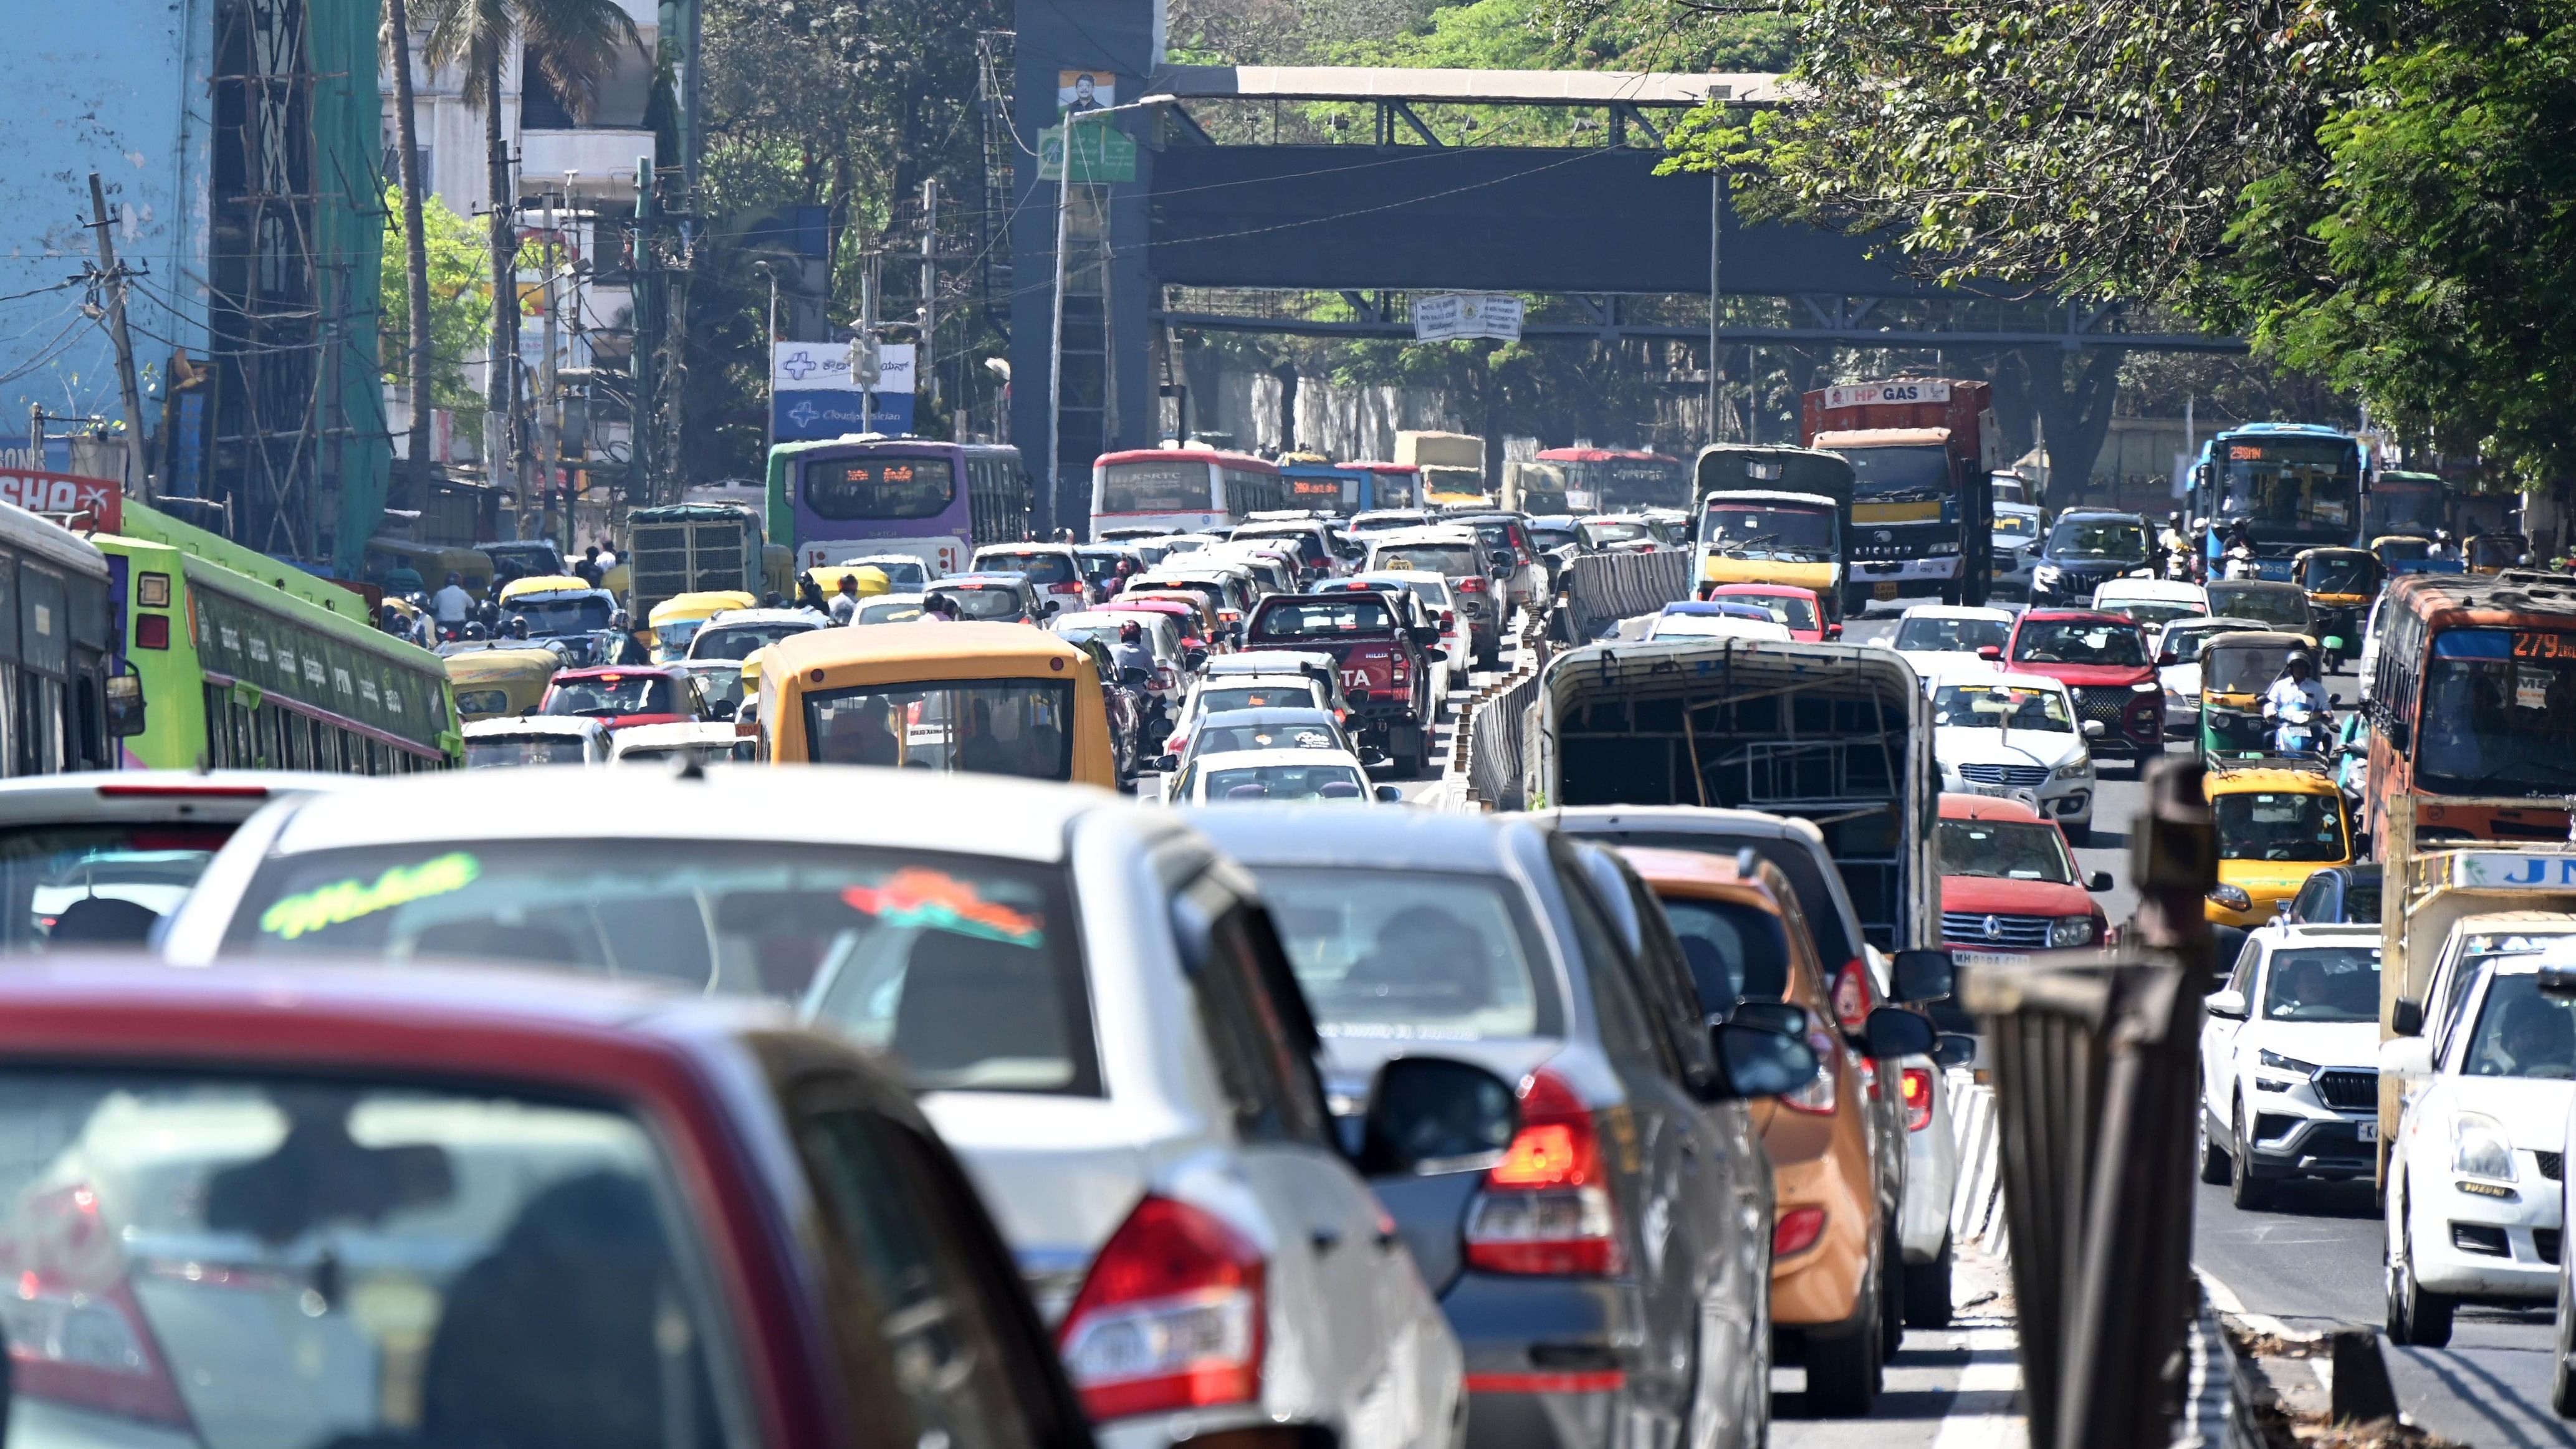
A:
1217,227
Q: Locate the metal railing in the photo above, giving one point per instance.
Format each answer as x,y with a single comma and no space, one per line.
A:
2096,1063
1600,589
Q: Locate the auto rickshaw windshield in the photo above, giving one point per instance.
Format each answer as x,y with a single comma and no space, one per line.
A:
2242,668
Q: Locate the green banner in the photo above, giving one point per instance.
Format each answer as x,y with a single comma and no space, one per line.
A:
1102,152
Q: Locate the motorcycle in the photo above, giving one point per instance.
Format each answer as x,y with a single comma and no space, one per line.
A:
2240,564
2302,730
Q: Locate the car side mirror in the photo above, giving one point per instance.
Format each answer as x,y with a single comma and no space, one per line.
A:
2098,882
1786,1018
1753,1062
1892,1031
1376,760
2227,1005
1833,631
2406,1056
1501,559
1433,1115
722,709
1955,1049
1161,765
1389,795
1990,652
1050,607
1922,974
124,706
1424,636
2332,641
2094,729
2406,1018
1194,657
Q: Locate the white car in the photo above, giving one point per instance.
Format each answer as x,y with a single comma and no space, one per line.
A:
2180,643
1213,695
889,609
905,573
2474,1198
2016,537
2016,736
2289,1062
1947,639
537,739
1717,626
2152,602
703,740
1088,997
2473,942
1276,776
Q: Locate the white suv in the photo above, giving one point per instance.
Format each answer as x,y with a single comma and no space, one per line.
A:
2289,1062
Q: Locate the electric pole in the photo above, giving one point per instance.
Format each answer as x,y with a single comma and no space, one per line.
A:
647,337
549,391
925,373
111,280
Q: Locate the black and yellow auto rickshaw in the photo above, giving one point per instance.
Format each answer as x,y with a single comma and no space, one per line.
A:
2489,553
2340,583
2235,670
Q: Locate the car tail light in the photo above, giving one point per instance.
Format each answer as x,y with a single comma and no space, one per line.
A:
76,1334
1471,585
1852,994
1169,1317
1918,1098
1546,1207
1797,1231
1817,1097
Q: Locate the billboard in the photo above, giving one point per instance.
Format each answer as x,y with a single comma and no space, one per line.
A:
812,394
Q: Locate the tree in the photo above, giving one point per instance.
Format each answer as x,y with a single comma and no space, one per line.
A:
415,310
572,44
457,295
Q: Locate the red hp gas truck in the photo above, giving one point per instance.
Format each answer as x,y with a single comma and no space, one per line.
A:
1920,450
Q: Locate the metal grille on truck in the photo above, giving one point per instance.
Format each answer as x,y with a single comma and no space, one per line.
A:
2346,1090
2018,933
2019,777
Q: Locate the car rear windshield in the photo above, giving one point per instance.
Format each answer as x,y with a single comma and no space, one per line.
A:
2282,606
1815,898
1256,696
563,616
614,694
983,601
1735,950
97,885
964,967
1021,727
2323,983
2004,850
504,751
1787,609
1041,568
1413,955
1455,560
402,1262
737,641
1325,616
1290,780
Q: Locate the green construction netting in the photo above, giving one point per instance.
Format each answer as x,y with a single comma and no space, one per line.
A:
349,245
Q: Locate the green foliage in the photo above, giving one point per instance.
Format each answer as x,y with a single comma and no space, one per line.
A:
460,299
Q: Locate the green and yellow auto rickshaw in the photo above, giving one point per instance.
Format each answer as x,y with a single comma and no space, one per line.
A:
2235,670
2340,583
2490,553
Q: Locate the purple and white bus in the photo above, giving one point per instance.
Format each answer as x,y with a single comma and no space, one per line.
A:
835,499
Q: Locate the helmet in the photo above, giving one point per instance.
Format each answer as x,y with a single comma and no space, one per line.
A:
2299,657
1131,630
476,631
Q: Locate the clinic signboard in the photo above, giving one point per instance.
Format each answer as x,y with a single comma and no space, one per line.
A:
813,394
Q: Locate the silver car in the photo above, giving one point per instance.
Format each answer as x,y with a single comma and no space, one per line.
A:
1090,999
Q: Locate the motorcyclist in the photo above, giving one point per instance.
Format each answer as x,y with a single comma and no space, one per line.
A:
1117,581
1130,651
517,627
2442,547
452,604
2296,690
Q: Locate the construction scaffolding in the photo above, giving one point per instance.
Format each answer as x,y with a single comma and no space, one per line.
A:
300,454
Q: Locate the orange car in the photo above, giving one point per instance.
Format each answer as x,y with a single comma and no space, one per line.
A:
1830,1254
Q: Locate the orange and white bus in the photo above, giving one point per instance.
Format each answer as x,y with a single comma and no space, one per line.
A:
1185,490
2473,708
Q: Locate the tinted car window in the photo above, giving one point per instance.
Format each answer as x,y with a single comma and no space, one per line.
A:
1815,898
1735,951
1412,954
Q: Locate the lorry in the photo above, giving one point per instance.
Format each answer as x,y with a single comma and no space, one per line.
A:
692,548
1534,488
1921,450
1452,464
1772,515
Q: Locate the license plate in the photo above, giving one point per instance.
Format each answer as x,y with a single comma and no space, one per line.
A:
2369,1130
1882,591
2001,792
1988,958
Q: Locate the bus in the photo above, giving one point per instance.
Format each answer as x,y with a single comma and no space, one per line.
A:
248,663
1316,484
2417,504
2294,485
837,498
2473,708
1617,480
1186,490
1387,485
56,659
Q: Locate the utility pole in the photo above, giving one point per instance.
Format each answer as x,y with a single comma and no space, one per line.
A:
1047,522
549,390
865,366
925,373
111,275
1716,218
647,336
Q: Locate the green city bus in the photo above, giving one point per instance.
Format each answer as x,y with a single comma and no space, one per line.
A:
248,663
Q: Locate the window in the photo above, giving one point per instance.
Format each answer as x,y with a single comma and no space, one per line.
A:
1256,1032
2004,850
1156,485
2322,983
485,752
2499,713
1289,780
1323,617
2080,641
2270,825
1952,636
1735,951
2521,1033
614,694
1021,727
880,487
2002,707
2098,539
1041,566
1432,957
1626,1034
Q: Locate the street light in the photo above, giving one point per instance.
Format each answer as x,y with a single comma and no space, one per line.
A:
1055,347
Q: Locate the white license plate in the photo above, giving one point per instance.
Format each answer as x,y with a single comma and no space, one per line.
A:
2369,1129
2003,792
1988,958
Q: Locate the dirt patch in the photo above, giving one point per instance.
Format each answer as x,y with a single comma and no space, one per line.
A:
2292,1402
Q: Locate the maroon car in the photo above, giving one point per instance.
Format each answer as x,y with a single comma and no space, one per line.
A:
1384,669
423,1210
620,695
2104,661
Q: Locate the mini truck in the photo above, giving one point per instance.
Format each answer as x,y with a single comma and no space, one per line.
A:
1921,508
1774,515
1385,672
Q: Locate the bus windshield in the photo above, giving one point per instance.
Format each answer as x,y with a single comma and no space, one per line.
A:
2292,485
880,486
1633,482
2407,505
1900,475
2499,713
1156,485
1786,531
584,614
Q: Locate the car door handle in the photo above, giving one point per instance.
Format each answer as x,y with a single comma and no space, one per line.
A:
1324,1238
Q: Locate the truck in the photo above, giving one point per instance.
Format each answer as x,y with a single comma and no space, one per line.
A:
1920,449
690,548
1772,515
1452,464
1379,654
1534,488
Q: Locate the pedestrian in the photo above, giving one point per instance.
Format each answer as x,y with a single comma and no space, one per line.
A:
845,601
607,558
809,594
589,570
452,605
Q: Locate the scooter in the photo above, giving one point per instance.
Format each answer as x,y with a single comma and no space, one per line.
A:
2303,731
2240,563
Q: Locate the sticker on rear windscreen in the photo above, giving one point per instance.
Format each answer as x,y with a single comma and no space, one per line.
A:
344,901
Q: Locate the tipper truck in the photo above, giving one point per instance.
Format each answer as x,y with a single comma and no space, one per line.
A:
1921,514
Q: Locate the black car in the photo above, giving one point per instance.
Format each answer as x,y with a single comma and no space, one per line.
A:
2085,549
2340,895
1613,1267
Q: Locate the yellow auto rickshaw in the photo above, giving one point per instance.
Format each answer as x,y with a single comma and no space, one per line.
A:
676,620
2277,825
871,580
520,588
497,683
2235,670
2340,583
2490,553
960,698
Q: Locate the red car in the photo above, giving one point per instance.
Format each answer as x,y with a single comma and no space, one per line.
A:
360,1207
2104,661
622,695
2010,884
1798,608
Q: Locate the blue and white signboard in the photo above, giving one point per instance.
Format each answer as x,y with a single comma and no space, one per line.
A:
811,393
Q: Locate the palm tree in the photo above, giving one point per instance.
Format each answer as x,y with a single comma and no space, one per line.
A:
397,42
573,44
